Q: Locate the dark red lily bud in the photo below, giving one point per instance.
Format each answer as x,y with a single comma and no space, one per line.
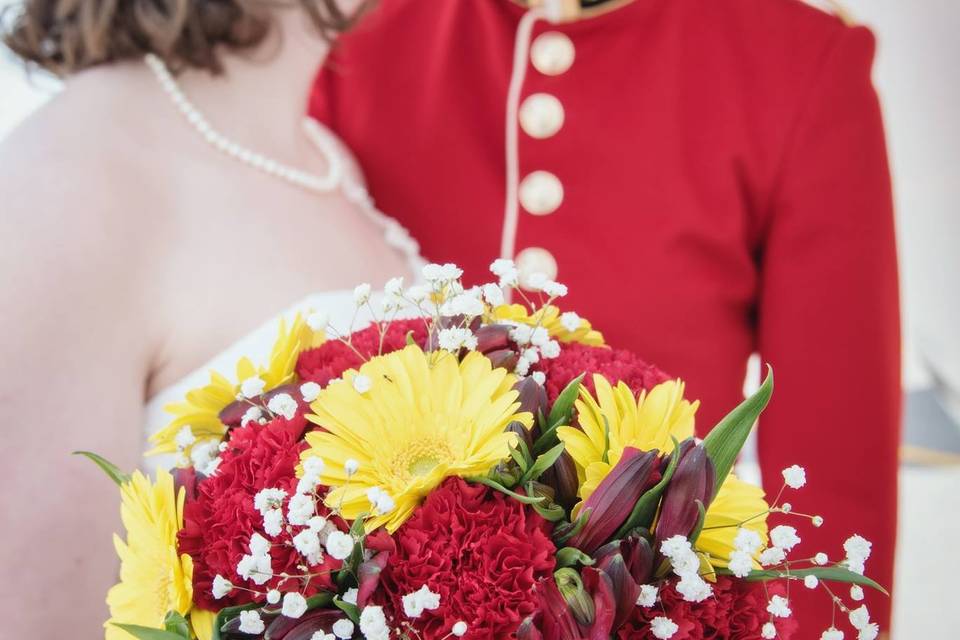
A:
503,359
692,481
309,624
558,621
185,477
625,588
522,432
638,554
493,337
528,630
611,503
598,583
563,478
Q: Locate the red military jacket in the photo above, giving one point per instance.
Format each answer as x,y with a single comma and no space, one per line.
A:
709,178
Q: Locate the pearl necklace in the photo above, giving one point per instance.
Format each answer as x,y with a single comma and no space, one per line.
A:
220,142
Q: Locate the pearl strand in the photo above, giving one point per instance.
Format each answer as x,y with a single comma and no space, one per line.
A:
221,143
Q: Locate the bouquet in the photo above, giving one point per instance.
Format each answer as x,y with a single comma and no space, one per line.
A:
460,467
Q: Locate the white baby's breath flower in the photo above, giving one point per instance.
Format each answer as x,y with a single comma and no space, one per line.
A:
539,337
268,499
284,405
858,550
221,586
786,507
294,605
869,632
343,628
784,536
811,582
536,281
769,630
554,289
859,617
550,349
779,607
417,293
522,367
309,391
856,593
821,559
772,556
741,563
832,634
459,628
313,467
441,273
273,596
317,523
273,522
693,588
307,542
747,540
185,437
385,503
350,467
350,595
648,596
251,623
674,545
252,414
301,508
493,295
570,321
539,377
361,294
252,387
362,383
795,476
663,627
394,287
318,320
259,546
502,267
339,545
373,622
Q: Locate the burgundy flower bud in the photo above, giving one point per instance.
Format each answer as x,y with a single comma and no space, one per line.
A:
692,481
599,584
503,359
564,480
369,576
493,337
528,630
613,500
310,623
625,588
558,620
578,600
522,432
638,555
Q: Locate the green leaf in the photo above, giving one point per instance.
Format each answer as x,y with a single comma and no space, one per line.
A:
563,407
835,573
352,611
108,467
228,614
550,512
563,533
542,463
646,507
148,633
571,556
176,623
410,340
493,484
702,515
724,442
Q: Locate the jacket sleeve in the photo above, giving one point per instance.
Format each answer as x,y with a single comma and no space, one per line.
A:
828,323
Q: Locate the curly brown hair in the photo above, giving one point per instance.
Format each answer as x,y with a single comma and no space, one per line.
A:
66,36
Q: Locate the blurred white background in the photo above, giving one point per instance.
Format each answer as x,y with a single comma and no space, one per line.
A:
916,76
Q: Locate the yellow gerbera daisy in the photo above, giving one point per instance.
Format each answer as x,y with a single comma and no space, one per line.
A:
548,317
425,417
617,419
154,578
737,502
202,406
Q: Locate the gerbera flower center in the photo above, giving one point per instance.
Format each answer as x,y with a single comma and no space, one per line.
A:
419,458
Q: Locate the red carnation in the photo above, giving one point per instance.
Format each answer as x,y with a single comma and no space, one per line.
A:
220,520
482,551
613,364
736,611
328,361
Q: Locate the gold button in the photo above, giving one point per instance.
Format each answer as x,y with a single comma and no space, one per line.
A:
552,53
541,115
535,260
541,193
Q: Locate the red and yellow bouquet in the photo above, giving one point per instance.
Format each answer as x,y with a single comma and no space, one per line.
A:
461,467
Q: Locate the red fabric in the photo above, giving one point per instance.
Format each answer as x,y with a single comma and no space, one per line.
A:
726,190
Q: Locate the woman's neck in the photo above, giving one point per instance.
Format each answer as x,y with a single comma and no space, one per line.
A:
260,99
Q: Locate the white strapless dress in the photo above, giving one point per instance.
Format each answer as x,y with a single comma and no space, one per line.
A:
339,305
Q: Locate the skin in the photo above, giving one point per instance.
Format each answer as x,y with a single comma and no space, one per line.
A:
133,253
